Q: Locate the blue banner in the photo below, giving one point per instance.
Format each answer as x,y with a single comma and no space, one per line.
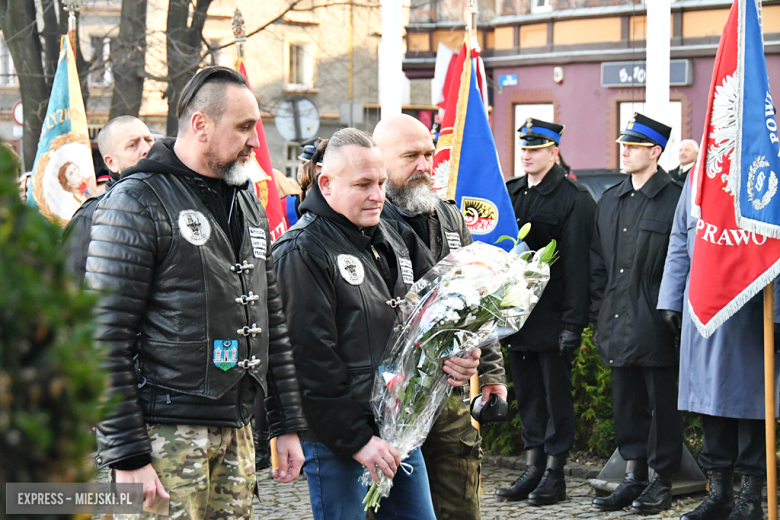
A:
480,191
755,166
63,175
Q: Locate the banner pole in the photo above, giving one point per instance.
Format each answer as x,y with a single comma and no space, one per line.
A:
274,455
769,401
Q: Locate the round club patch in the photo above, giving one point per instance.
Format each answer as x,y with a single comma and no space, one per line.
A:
194,227
351,269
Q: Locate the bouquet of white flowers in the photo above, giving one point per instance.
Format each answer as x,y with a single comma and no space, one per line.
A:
474,295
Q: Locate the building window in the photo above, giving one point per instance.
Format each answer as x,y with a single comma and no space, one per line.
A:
8,76
101,75
299,66
541,6
291,160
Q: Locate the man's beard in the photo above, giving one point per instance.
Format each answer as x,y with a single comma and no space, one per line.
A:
414,200
234,173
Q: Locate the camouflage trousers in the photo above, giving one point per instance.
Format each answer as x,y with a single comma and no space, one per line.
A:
453,456
208,471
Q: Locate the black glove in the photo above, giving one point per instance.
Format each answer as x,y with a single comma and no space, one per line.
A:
495,411
569,341
673,320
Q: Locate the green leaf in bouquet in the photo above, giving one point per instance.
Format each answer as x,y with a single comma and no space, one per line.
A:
548,254
505,237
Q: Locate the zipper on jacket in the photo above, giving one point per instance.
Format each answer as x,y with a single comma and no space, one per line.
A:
376,253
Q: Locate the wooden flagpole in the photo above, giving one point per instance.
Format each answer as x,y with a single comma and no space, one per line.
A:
769,400
471,30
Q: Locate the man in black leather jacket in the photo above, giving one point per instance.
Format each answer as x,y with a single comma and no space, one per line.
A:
343,270
191,320
452,450
123,142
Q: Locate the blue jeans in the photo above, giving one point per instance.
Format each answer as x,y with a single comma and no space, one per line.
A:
336,494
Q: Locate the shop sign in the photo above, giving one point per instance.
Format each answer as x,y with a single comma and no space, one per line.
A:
634,73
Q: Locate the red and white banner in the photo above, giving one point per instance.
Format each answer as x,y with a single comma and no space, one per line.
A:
262,177
730,265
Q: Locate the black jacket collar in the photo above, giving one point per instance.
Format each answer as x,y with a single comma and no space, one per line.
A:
316,203
650,189
550,181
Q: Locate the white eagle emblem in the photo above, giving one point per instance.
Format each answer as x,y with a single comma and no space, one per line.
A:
440,178
723,121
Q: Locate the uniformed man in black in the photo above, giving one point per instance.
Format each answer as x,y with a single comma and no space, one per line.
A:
452,450
633,223
540,353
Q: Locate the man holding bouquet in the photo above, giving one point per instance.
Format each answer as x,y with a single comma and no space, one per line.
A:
344,271
452,450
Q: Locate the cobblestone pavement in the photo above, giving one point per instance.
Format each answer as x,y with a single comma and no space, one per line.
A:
291,501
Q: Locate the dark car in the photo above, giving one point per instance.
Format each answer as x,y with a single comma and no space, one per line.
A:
599,180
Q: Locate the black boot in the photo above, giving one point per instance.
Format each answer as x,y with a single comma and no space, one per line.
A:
528,480
720,499
655,498
749,500
552,487
629,490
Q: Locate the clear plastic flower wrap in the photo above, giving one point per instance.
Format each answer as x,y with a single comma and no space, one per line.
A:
476,294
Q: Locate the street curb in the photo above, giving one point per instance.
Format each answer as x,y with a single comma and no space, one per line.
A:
572,469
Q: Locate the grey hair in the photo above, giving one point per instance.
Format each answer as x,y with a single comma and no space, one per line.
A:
346,137
105,144
692,141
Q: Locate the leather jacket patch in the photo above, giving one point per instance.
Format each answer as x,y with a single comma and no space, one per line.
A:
194,227
258,242
351,269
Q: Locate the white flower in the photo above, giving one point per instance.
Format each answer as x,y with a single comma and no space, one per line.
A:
518,296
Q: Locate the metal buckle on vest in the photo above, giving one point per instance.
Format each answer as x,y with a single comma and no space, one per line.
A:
240,268
395,302
249,363
251,298
254,330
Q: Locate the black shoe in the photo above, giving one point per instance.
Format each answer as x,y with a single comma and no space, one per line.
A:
629,490
528,480
749,500
720,499
655,498
552,487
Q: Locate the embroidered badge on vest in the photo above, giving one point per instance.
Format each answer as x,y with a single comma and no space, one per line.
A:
453,240
194,227
257,235
407,273
351,269
225,353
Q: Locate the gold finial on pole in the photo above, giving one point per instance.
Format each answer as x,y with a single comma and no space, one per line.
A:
72,6
471,18
239,32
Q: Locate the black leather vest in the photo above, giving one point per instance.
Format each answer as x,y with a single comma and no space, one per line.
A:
206,321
